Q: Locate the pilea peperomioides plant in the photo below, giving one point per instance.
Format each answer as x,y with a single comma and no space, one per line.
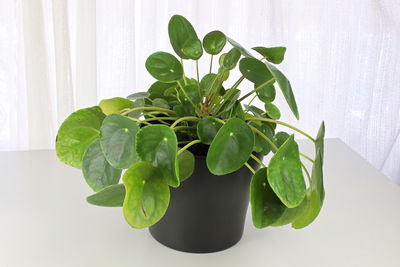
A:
149,133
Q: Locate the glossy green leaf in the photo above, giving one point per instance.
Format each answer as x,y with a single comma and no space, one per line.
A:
147,195
192,49
214,42
210,83
319,141
164,67
138,95
280,138
272,111
285,175
207,129
266,93
117,140
231,59
260,144
255,110
110,196
231,147
221,59
266,207
114,105
157,144
186,165
290,214
242,50
76,133
272,54
192,91
254,70
286,88
97,171
230,97
140,102
180,30
159,89
183,110
161,103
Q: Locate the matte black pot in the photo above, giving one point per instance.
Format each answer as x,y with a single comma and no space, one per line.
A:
206,212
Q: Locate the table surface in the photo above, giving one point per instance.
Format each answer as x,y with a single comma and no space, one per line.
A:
45,221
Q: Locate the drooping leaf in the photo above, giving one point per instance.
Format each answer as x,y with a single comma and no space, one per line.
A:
266,93
280,138
266,207
186,165
164,67
110,196
231,147
272,111
231,59
140,102
207,129
138,95
193,49
161,103
76,133
272,54
319,141
242,50
180,30
254,70
157,144
285,175
117,140
114,105
290,214
97,171
286,88
147,195
214,42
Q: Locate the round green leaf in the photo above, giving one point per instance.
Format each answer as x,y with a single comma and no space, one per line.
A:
193,49
180,30
231,147
138,95
272,54
285,175
186,165
97,171
157,144
76,133
231,59
207,129
260,144
266,93
221,59
114,105
140,102
242,50
209,83
110,196
254,70
214,42
280,138
230,97
266,207
117,140
272,111
158,89
164,67
161,103
192,91
147,195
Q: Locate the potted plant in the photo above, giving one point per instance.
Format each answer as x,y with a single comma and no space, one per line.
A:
192,149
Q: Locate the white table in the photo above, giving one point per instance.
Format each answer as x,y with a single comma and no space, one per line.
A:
45,221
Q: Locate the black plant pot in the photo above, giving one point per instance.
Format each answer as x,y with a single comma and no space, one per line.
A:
207,212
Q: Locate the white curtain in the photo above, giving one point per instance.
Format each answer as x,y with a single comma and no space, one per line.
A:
343,60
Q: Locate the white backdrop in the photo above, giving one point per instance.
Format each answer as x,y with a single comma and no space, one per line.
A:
343,60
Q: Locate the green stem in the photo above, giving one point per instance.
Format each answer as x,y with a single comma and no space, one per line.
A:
263,136
188,118
284,124
161,118
248,105
139,121
258,88
188,145
181,127
183,70
307,157
236,84
308,174
198,80
219,120
148,108
250,168
183,142
257,160
190,100
212,56
158,119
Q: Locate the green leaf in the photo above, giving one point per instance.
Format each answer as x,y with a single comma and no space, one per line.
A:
266,207
159,89
237,110
147,195
286,88
114,105
272,111
285,175
231,147
207,129
161,103
242,50
192,92
110,196
230,97
260,144
180,30
183,110
280,138
164,67
136,104
210,83
254,70
255,110
290,214
97,171
214,42
319,141
117,140
221,59
192,49
266,93
272,54
157,144
76,133
231,59
186,165
138,95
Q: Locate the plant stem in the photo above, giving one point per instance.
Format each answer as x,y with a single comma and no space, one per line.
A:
158,119
161,118
183,70
211,62
257,160
198,81
181,127
307,157
263,136
183,142
257,88
188,145
308,174
198,112
284,124
139,121
188,118
250,168
219,120
148,108
248,105
236,84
